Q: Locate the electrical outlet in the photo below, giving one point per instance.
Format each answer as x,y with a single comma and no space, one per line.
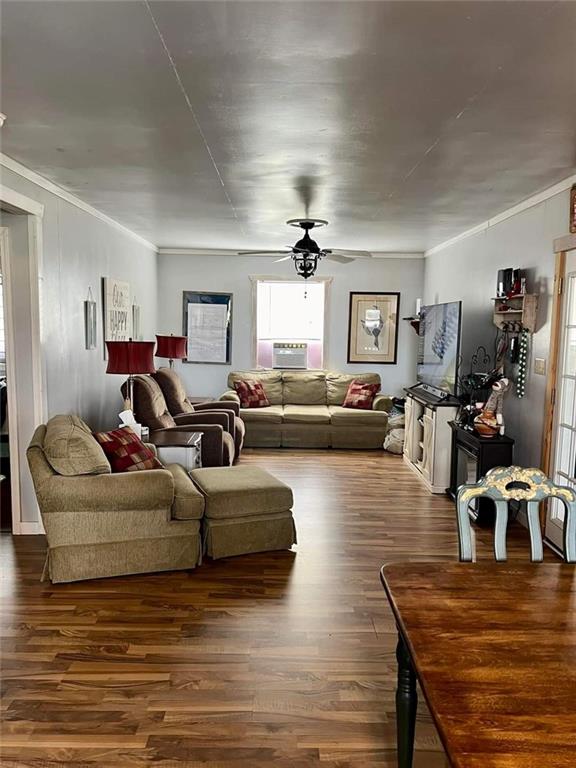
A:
540,366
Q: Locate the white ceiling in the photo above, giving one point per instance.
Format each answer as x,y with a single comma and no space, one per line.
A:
208,124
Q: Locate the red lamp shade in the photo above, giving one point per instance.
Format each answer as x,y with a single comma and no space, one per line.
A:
130,357
172,347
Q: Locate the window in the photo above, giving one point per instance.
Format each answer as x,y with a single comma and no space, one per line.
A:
290,313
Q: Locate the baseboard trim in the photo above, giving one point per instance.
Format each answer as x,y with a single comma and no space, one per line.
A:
28,529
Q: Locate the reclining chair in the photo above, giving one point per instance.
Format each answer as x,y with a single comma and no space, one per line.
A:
178,403
217,427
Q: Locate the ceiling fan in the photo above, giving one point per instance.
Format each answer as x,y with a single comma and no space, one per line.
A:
306,253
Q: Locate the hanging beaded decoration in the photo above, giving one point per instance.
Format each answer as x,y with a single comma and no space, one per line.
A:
522,363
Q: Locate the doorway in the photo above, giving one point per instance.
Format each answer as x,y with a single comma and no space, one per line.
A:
20,252
563,464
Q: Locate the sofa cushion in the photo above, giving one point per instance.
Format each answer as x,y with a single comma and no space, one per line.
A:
173,390
360,395
352,417
241,492
273,414
251,394
306,414
337,384
70,448
270,380
126,452
304,387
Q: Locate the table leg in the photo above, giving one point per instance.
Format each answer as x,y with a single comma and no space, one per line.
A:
406,705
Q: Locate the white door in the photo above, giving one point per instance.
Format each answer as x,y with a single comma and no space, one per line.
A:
564,446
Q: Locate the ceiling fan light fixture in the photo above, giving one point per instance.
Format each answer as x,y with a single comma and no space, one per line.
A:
306,264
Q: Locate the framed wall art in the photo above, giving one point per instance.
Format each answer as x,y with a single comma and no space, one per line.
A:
373,327
117,310
207,324
90,321
573,209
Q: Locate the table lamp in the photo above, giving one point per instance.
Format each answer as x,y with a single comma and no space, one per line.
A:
130,357
172,347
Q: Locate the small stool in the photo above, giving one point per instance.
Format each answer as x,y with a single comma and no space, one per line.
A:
247,510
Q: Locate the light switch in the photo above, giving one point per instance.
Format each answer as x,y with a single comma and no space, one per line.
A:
540,366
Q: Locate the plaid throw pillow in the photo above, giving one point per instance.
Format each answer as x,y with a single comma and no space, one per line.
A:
360,395
125,451
251,394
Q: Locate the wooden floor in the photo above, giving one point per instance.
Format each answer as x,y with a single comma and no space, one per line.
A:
283,659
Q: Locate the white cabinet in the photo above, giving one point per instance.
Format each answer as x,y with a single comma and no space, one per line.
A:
428,440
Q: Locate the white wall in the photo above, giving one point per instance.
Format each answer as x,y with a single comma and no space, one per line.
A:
79,249
232,274
467,271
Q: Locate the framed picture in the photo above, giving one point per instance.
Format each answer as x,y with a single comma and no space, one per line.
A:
573,209
90,322
117,310
207,324
373,327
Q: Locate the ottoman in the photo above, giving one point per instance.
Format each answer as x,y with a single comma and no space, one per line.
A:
247,510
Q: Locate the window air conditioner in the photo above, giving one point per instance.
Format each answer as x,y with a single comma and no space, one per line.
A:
287,355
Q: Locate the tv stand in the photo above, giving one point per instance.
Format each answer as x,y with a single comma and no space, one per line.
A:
428,436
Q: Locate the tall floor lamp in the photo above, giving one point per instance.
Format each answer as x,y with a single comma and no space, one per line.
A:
172,347
130,357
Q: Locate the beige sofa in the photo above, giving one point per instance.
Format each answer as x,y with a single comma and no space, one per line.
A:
306,411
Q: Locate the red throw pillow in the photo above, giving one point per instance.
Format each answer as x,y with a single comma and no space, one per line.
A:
360,395
125,451
251,394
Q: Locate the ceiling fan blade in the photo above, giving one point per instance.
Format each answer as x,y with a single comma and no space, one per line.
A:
285,258
351,254
260,253
339,258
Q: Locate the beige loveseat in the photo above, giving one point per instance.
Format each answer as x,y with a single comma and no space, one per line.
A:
306,411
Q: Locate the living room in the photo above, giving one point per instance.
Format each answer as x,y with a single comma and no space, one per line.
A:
254,182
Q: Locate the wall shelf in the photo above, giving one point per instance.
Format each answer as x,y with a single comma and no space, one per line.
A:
523,309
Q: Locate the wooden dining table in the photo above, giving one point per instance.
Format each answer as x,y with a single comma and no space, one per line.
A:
493,646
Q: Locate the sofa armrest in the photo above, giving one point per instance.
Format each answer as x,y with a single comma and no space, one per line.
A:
229,405
120,491
230,395
382,403
213,417
188,502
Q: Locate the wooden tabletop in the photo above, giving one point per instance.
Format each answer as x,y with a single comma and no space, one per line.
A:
174,438
494,648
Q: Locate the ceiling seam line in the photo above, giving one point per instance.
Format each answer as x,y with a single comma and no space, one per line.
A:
193,113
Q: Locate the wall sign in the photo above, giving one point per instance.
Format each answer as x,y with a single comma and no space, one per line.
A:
117,310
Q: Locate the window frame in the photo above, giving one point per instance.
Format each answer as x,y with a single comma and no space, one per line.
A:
255,279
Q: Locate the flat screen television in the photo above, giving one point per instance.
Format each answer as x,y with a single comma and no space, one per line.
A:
439,346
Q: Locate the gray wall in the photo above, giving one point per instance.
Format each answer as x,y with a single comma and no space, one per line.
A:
232,274
78,249
467,271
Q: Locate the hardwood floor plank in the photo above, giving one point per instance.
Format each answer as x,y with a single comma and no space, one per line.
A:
283,659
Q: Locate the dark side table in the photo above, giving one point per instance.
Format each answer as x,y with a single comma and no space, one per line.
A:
472,457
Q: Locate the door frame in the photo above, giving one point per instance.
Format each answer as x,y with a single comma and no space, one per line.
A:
562,246
14,202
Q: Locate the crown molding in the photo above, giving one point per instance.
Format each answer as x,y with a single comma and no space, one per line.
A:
530,202
30,175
